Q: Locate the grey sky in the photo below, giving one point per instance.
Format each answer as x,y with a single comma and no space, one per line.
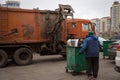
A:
83,8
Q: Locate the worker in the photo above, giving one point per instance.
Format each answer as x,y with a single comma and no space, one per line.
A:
90,47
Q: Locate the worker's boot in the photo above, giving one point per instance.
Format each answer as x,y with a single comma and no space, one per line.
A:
90,77
93,78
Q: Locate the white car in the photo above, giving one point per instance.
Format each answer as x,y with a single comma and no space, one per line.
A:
117,59
101,42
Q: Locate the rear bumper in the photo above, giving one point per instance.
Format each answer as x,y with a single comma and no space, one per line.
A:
111,53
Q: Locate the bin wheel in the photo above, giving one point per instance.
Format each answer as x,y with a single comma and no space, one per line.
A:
103,57
117,69
75,73
3,58
64,56
66,69
23,56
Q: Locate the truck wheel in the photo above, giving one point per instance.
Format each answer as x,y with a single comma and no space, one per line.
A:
3,58
23,56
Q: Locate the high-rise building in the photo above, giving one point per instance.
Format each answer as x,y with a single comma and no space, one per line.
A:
11,4
102,26
115,17
96,21
105,23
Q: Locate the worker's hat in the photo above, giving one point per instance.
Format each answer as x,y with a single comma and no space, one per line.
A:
90,33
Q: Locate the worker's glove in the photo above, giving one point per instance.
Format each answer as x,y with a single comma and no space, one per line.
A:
80,53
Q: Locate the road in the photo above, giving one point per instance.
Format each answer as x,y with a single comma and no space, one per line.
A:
53,68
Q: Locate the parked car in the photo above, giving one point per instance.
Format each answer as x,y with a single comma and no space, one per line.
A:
112,49
117,59
115,38
101,42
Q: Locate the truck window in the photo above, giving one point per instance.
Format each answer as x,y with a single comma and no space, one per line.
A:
90,27
86,27
73,25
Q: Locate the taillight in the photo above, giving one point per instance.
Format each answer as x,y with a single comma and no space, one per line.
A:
118,47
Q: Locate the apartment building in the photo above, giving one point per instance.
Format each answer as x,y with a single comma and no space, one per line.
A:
115,17
105,26
11,4
96,21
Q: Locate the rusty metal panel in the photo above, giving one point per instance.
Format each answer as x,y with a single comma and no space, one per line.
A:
3,21
26,26
17,26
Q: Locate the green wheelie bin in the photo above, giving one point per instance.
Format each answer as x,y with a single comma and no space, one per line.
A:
75,62
105,48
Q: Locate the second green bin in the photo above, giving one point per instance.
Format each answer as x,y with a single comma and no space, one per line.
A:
105,47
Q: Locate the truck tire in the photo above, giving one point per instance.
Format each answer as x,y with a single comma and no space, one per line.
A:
3,58
23,56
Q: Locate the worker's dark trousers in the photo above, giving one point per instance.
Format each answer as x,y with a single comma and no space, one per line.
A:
92,66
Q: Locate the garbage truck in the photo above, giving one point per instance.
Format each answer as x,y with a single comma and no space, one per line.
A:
25,31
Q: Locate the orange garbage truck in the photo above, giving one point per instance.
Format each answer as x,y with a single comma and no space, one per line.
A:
25,31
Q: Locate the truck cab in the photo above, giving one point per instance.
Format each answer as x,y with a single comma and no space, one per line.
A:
79,28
